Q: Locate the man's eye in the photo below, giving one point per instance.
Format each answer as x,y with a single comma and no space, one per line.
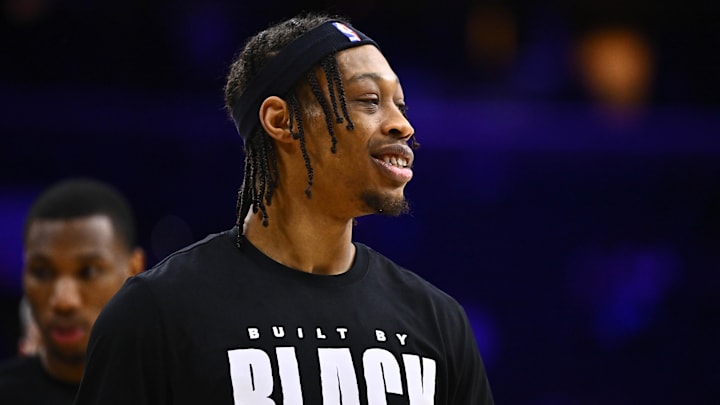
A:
41,273
403,109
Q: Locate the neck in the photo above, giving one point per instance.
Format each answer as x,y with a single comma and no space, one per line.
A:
61,369
302,239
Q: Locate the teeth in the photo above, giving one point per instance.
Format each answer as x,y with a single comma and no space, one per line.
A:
395,161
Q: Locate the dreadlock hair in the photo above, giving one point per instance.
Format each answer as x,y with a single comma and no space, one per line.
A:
261,171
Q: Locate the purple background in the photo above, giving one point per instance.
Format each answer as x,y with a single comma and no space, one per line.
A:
585,247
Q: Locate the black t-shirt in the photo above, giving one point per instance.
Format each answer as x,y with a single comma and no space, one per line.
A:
24,381
214,323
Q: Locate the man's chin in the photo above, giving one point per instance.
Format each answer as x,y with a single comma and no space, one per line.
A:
392,206
68,355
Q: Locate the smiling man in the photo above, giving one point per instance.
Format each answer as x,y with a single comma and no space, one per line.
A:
79,248
285,308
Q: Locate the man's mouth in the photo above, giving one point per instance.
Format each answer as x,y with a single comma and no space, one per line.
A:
397,155
397,161
67,335
397,168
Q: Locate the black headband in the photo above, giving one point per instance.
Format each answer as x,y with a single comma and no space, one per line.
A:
282,72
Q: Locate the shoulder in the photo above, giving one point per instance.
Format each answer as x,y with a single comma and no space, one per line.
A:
18,373
413,286
19,365
185,268
136,309
23,380
214,249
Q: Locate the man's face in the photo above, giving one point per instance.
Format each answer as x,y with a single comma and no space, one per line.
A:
72,268
373,162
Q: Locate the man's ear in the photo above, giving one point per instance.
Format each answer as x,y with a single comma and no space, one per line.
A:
274,116
137,261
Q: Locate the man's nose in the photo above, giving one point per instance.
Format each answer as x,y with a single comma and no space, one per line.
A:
398,125
66,295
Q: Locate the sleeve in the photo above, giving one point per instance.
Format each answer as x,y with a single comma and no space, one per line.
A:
471,382
125,357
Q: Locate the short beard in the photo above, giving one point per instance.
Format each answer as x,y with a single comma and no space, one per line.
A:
382,204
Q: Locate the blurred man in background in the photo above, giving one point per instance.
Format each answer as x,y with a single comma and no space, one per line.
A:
79,248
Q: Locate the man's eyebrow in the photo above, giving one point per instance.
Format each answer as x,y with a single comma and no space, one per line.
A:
369,75
363,76
85,257
38,258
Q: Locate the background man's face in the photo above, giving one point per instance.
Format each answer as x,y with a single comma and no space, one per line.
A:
72,268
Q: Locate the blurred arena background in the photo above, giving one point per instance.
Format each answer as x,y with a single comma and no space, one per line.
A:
567,191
